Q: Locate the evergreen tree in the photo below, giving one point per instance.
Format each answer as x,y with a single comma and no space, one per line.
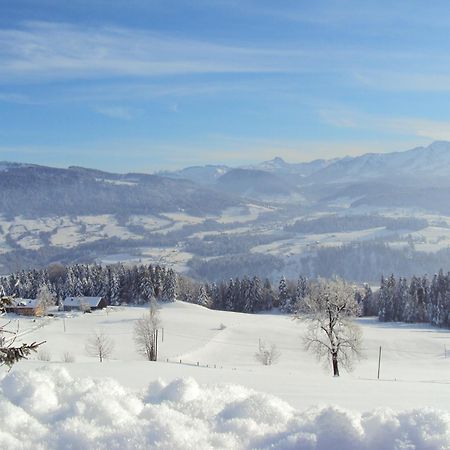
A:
203,298
284,301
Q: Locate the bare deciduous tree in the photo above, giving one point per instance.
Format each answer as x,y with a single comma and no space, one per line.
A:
99,345
328,310
267,354
145,332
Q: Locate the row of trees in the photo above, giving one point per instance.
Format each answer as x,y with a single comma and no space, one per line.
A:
117,283
416,300
120,283
245,294
398,299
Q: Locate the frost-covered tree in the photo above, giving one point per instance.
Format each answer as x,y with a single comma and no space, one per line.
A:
45,298
203,298
329,310
169,290
229,296
301,291
284,301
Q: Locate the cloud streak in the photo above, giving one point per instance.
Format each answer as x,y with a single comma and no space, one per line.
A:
117,112
411,126
45,51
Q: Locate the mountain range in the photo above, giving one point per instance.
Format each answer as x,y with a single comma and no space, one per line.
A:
431,161
417,177
419,168
218,219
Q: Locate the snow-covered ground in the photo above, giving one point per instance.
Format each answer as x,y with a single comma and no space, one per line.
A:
228,400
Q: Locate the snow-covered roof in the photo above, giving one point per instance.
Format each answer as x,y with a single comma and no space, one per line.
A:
23,303
92,302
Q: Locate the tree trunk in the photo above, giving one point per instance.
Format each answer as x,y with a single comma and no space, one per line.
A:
334,359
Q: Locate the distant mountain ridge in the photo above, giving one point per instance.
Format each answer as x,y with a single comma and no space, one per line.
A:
259,184
202,189
430,161
208,174
37,191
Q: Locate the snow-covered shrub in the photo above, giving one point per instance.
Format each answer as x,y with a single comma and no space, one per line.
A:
68,357
267,354
44,355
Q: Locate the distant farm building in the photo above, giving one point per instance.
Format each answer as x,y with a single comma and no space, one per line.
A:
25,307
84,303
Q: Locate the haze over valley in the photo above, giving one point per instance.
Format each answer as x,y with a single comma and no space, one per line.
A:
216,222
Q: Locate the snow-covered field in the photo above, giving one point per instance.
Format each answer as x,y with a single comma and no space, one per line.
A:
228,400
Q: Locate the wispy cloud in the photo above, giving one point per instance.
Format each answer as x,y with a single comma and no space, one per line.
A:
117,112
401,80
407,126
15,98
41,50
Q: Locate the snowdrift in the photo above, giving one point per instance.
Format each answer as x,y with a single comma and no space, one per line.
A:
49,409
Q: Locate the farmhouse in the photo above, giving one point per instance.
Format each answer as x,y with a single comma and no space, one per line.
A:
84,303
25,307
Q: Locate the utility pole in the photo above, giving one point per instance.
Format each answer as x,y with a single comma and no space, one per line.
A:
379,362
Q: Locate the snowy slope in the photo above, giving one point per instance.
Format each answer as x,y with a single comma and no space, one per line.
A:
413,356
226,401
47,410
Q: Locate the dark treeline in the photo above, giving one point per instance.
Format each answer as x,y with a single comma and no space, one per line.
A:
120,283
368,261
334,224
230,266
116,283
418,299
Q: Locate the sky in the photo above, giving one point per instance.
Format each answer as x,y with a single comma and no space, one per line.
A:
143,85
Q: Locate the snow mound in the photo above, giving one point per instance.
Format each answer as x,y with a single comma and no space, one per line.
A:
49,409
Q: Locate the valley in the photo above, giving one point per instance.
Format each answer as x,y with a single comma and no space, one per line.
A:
280,217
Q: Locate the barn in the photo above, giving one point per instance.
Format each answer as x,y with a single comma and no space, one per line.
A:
25,307
84,303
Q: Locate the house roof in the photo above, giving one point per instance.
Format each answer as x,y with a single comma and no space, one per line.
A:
23,303
92,302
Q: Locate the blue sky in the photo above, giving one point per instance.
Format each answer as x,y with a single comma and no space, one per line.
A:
144,84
